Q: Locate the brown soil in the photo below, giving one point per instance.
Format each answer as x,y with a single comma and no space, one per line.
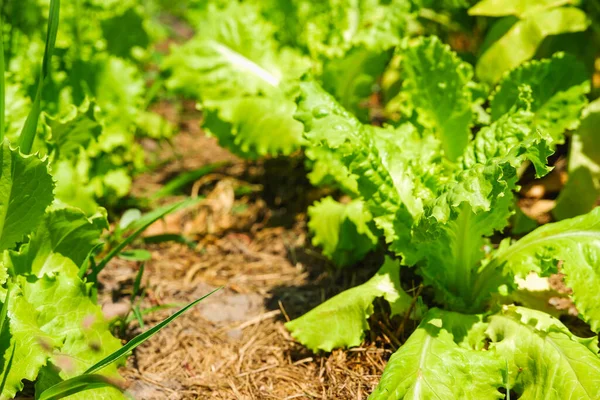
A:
234,344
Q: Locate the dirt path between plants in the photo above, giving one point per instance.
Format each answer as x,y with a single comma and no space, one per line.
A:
252,240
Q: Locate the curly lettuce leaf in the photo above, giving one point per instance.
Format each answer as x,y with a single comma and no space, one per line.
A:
330,28
327,169
477,202
24,345
255,126
443,359
524,351
523,37
582,190
575,242
352,78
342,230
435,82
25,191
520,8
545,360
75,131
558,86
342,320
67,232
240,80
393,169
66,311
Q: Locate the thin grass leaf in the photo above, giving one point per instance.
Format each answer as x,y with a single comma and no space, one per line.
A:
138,316
141,224
76,385
184,179
8,367
135,255
160,212
30,127
141,338
4,310
89,262
170,237
3,316
137,283
151,310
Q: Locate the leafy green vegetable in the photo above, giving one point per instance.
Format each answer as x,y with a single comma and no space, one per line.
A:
239,80
25,192
435,82
64,232
343,230
342,320
537,20
23,341
67,312
443,359
520,8
575,242
530,353
582,189
545,360
558,86
438,212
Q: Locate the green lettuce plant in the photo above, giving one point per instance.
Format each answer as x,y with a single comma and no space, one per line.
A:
439,191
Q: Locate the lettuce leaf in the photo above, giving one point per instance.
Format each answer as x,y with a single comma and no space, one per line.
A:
443,359
575,242
523,36
343,230
342,320
558,86
545,360
435,82
25,191
528,352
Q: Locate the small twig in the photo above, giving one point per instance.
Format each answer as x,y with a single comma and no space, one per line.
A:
400,329
255,371
304,360
258,319
390,335
287,318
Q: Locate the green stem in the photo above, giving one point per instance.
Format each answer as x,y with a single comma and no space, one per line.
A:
2,81
29,129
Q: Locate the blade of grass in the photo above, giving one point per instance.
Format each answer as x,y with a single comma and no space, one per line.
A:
8,367
138,316
183,179
138,282
160,212
170,237
150,310
4,311
3,316
76,385
141,224
89,261
141,338
30,127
